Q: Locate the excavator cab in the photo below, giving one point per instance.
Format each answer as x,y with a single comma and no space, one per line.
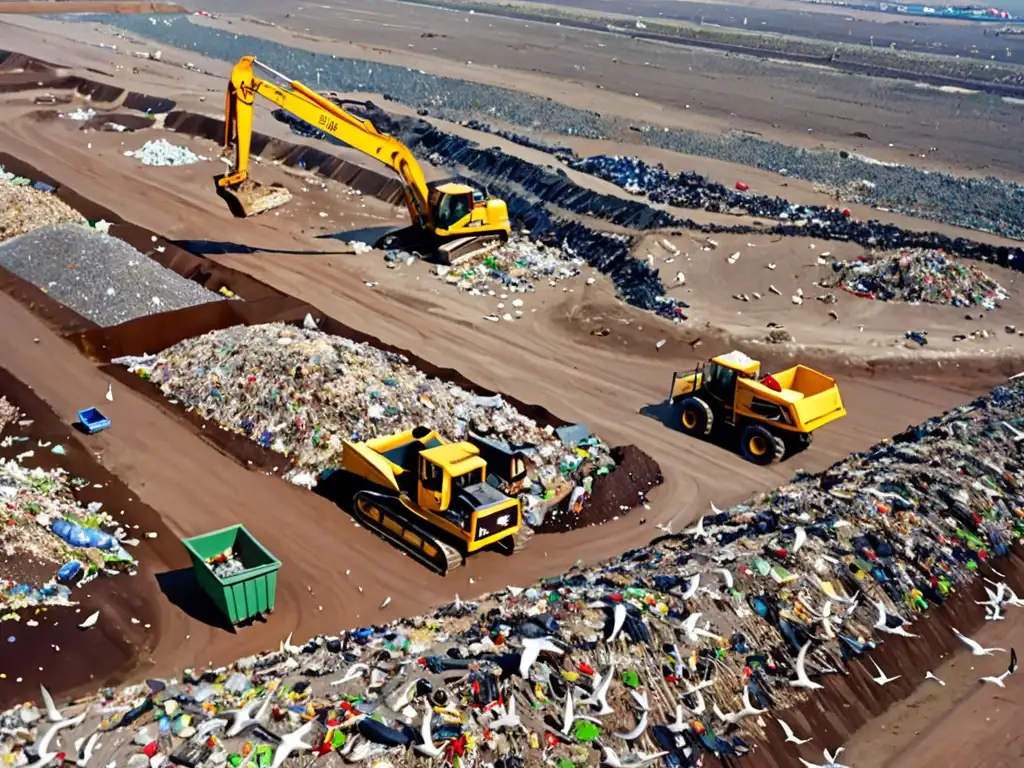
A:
450,204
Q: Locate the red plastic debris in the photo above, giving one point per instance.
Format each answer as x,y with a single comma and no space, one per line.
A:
742,187
769,381
585,668
151,749
846,212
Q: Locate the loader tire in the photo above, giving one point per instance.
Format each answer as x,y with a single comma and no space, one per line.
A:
760,446
695,417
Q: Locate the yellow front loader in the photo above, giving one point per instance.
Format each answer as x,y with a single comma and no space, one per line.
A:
429,497
775,415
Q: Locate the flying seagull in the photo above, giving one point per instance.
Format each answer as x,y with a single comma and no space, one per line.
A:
790,736
976,648
291,742
1009,671
883,678
84,749
931,676
242,718
691,587
637,732
612,760
507,717
802,680
882,626
599,698
734,717
800,539
532,647
618,621
427,748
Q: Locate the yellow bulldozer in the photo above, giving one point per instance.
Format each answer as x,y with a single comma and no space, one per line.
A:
450,219
774,415
430,497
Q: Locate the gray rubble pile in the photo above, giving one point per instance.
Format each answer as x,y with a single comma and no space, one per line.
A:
100,277
988,204
301,392
680,650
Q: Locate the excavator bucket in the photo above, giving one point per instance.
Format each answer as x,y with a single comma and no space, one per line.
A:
251,197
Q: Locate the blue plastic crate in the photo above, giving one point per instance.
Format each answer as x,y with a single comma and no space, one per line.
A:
92,420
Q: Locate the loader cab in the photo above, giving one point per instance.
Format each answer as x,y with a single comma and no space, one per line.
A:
721,374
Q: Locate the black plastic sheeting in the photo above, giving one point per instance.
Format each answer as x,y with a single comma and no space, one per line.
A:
510,177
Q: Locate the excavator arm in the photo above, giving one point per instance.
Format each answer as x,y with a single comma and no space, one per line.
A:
319,112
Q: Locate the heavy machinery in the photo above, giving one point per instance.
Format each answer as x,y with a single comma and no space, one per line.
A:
427,496
775,415
451,217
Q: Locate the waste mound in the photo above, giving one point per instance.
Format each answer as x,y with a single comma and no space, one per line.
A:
301,392
686,646
51,542
925,276
161,152
98,276
25,206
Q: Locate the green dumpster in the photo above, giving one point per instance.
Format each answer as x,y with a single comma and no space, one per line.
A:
242,595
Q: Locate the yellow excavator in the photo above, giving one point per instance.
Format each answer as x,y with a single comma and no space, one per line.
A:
775,414
451,217
432,498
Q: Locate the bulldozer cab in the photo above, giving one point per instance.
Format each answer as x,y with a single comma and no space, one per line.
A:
443,473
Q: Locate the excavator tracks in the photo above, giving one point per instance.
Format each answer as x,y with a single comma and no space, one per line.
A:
390,519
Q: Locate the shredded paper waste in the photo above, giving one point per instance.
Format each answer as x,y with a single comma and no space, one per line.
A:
675,650
924,276
301,392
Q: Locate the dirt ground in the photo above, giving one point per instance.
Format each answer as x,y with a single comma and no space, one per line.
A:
795,104
550,358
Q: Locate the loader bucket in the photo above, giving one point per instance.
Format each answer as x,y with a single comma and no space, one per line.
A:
251,198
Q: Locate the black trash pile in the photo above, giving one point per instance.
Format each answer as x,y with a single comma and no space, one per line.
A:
518,138
679,650
919,276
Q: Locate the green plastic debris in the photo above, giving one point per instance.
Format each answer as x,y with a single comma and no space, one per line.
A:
586,731
630,679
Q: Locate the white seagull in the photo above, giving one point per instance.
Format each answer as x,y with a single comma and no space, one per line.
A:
507,717
680,724
881,626
53,714
726,577
242,718
882,678
976,648
692,633
84,749
802,680
356,670
618,621
790,736
427,748
1009,671
287,647
612,760
691,587
800,534
599,698
930,676
532,647
291,742
637,732
734,717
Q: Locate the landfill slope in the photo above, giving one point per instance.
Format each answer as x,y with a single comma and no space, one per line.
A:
680,646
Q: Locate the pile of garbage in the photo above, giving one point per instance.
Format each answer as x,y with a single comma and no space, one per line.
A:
514,266
678,650
918,276
50,540
301,392
160,152
8,414
26,205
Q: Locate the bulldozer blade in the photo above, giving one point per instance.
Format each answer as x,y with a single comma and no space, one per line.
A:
251,198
